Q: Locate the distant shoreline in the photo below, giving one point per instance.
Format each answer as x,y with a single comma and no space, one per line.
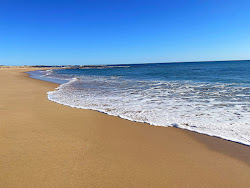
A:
96,65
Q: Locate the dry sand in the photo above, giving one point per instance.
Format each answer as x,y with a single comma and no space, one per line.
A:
45,144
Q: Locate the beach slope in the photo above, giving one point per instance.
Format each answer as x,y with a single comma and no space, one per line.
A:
45,144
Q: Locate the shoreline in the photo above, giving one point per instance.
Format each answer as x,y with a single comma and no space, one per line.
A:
52,145
59,84
239,152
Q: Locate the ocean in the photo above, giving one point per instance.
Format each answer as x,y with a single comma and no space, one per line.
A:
211,98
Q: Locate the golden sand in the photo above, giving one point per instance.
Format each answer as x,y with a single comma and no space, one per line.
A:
45,144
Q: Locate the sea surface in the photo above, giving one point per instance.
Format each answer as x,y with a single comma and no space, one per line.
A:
212,98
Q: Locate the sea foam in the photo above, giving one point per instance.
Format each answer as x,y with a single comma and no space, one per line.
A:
218,109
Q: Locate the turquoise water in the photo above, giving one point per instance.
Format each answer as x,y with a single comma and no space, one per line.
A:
212,98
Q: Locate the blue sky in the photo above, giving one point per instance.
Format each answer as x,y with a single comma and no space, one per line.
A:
52,32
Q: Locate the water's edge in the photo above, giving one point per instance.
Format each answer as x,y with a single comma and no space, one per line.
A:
62,83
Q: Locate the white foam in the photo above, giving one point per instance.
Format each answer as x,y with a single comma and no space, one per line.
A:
220,110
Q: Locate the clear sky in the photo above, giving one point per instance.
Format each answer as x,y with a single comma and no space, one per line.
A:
57,32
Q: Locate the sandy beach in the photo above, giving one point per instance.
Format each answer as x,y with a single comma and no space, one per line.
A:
45,144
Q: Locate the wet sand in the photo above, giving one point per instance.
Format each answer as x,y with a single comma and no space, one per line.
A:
45,144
